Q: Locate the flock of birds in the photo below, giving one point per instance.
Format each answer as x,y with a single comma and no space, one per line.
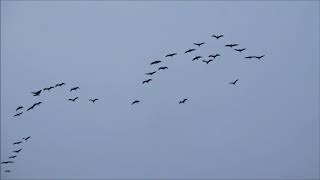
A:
211,58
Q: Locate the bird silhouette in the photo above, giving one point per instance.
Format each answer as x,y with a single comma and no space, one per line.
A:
19,142
155,62
74,88
18,114
31,107
240,50
162,68
135,102
214,55
7,162
7,171
48,89
146,81
26,138
12,157
217,37
38,103
189,50
259,57
231,45
74,99
151,73
207,61
171,55
61,84
249,57
36,93
18,108
199,44
183,101
17,151
234,82
93,100
196,58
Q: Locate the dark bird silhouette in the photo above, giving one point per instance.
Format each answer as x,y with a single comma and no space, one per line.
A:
259,57
19,142
207,61
189,50
199,44
7,162
196,58
18,114
240,50
7,171
18,108
155,62
146,81
17,151
38,103
12,157
93,100
214,55
183,101
74,88
74,99
31,107
61,84
231,45
170,55
249,57
37,93
217,37
27,138
234,82
48,89
151,73
162,68
135,102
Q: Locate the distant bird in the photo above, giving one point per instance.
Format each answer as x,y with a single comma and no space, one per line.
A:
217,37
183,101
146,81
231,45
155,62
7,171
38,103
11,157
26,138
18,108
162,68
7,162
48,89
73,100
61,84
19,142
37,93
135,102
196,58
234,82
74,88
31,107
199,44
214,55
189,50
151,73
17,151
93,100
18,114
249,57
170,55
259,57
207,61
240,50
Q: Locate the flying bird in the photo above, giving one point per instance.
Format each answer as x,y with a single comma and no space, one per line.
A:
27,138
207,61
217,37
18,114
31,107
17,151
234,82
183,101
36,93
151,73
155,62
73,100
162,68
231,45
171,55
61,84
7,171
240,50
74,88
196,58
259,57
214,55
249,57
93,100
11,157
189,50
18,108
7,162
38,103
198,44
19,142
135,102
146,81
48,89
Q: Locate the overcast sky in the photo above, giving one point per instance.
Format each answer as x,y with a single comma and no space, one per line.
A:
267,126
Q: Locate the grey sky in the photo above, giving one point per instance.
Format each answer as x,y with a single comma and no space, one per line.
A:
265,127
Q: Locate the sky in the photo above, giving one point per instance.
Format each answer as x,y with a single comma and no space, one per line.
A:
266,126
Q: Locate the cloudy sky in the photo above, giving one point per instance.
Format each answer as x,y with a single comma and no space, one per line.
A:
267,126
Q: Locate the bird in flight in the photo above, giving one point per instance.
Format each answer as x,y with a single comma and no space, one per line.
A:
48,89
32,107
183,101
36,93
162,68
189,50
17,151
27,138
214,55
74,88
135,102
207,61
7,162
171,55
196,58
249,57
93,100
234,82
151,73
155,62
231,45
18,108
74,99
146,81
259,57
18,114
61,84
11,157
19,142
199,44
7,171
217,37
38,103
240,50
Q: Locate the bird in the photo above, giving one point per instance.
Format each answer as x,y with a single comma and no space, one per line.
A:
48,89
18,108
214,55
26,138
31,107
207,61
217,37
155,62
231,45
7,162
146,81
38,103
93,100
7,171
171,55
249,57
199,44
73,100
61,84
36,93
162,68
11,157
135,102
19,142
74,88
259,57
240,50
151,73
196,58
17,151
234,82
183,101
189,50
18,114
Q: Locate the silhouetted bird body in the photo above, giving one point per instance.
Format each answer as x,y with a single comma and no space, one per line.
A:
234,82
31,107
48,89
18,114
259,57
162,68
7,162
38,103
135,102
146,81
183,101
19,142
93,100
17,151
12,157
231,45
207,61
155,62
27,138
196,58
249,57
199,44
189,50
74,88
217,37
240,50
18,108
74,99
37,93
61,84
151,73
171,55
214,55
